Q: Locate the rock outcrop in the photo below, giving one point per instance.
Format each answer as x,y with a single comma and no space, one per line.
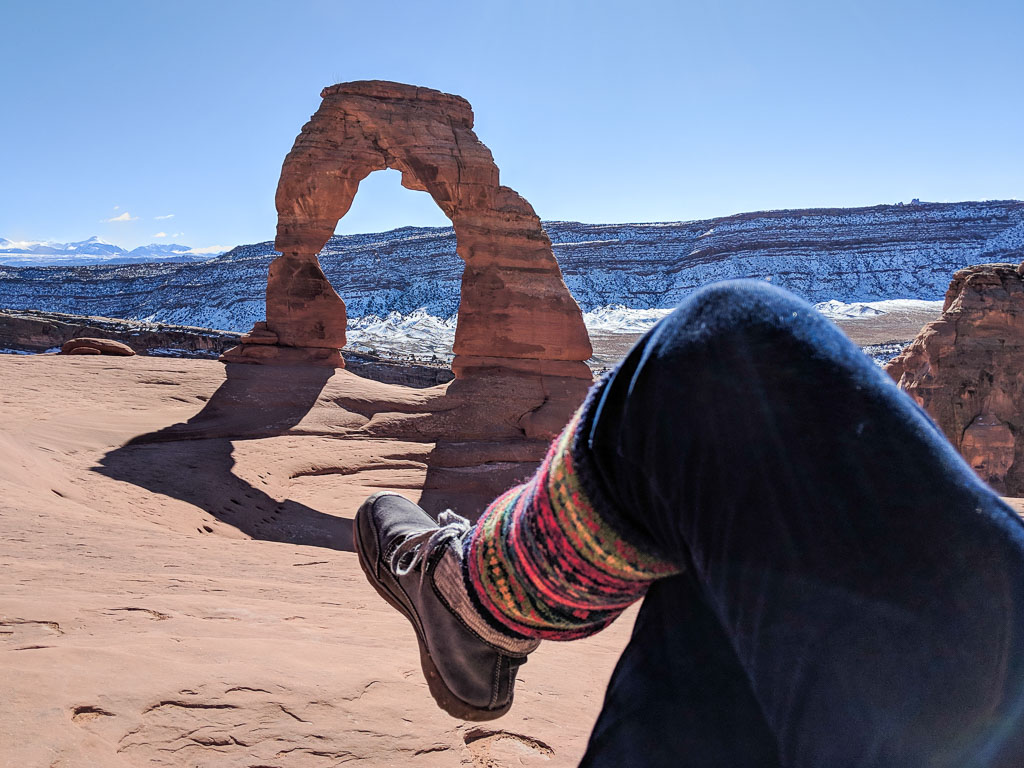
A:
89,346
35,331
967,370
38,332
515,312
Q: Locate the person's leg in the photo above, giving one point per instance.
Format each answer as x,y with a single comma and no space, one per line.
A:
865,587
869,585
678,696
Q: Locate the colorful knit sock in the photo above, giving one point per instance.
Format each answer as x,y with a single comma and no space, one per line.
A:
543,563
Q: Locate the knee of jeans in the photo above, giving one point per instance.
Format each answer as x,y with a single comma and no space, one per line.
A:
737,307
743,296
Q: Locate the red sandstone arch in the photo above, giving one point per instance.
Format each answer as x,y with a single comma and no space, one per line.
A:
516,314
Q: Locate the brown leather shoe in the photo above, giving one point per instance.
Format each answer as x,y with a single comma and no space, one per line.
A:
415,563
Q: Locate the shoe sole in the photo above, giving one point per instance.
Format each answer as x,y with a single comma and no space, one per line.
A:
443,695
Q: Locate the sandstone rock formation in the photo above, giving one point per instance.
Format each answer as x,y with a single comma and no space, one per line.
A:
516,317
967,370
89,346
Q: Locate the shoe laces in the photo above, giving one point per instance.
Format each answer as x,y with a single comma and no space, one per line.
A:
451,527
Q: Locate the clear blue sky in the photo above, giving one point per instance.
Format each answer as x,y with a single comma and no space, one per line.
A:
595,111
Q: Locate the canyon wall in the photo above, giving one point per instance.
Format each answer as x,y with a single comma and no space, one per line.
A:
848,254
34,331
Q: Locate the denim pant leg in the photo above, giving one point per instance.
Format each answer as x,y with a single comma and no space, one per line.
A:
678,696
869,587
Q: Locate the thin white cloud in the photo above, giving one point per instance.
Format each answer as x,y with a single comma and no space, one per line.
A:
160,234
161,218
212,249
123,217
117,207
27,243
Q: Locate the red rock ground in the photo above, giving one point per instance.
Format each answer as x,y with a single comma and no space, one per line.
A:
194,602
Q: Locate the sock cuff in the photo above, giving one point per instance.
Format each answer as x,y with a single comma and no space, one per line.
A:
448,580
590,479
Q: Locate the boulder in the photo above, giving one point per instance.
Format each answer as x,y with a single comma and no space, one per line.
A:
966,369
85,345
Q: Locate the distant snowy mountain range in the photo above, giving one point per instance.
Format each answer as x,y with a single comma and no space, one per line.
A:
95,251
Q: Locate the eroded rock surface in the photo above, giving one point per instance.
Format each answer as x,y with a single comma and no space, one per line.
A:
517,321
967,370
31,331
35,331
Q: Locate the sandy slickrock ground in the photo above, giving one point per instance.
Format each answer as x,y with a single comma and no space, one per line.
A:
192,600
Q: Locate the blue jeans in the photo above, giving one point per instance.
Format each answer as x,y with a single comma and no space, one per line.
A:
852,594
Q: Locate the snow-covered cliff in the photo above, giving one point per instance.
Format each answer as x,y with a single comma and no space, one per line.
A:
859,254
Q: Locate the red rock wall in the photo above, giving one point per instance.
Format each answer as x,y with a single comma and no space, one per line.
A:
967,370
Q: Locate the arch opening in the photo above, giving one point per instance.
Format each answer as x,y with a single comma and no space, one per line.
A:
381,204
389,314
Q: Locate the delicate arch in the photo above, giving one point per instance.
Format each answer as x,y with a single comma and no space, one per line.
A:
515,312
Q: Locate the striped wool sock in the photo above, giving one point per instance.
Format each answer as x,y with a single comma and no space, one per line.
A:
542,563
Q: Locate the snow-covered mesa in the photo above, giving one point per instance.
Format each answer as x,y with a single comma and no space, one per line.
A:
420,335
841,310
616,318
624,276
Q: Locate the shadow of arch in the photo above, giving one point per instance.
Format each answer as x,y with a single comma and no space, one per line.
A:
193,461
468,489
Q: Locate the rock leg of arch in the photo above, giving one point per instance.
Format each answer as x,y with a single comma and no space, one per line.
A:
518,326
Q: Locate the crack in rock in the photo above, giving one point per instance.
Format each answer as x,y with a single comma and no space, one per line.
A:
188,705
155,615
